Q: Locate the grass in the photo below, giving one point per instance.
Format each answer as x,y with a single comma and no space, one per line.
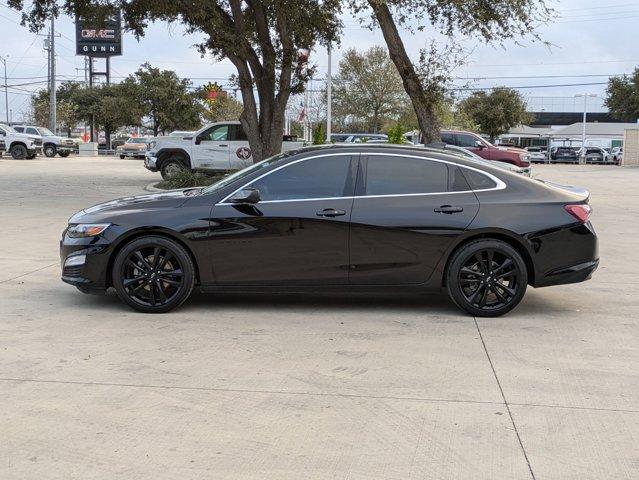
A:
187,179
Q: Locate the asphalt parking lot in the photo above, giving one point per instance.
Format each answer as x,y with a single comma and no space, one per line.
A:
310,387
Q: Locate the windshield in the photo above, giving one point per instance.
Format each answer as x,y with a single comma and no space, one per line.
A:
45,132
243,173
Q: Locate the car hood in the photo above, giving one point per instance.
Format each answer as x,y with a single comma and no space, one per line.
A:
136,204
512,149
135,146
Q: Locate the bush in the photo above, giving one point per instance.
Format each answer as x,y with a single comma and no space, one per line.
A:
188,179
396,135
319,137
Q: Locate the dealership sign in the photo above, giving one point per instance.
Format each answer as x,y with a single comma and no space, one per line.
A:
98,40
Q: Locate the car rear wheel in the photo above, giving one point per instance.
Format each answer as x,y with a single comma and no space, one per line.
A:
19,152
171,167
64,154
49,150
487,278
153,274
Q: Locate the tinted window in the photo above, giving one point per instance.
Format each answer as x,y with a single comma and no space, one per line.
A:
239,134
448,138
322,177
390,175
478,181
19,129
465,140
32,131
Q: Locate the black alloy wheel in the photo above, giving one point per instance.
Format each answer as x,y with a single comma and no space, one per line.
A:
50,151
487,278
19,152
153,274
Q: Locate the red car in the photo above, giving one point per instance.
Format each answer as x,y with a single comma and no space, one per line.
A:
483,148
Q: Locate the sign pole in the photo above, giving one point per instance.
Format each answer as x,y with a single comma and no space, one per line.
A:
52,94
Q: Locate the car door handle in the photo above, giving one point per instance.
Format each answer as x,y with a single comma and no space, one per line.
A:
222,145
330,212
449,209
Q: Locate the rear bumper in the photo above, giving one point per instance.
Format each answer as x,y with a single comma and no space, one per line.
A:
573,274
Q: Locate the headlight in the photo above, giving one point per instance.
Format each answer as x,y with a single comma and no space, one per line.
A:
32,140
524,157
84,230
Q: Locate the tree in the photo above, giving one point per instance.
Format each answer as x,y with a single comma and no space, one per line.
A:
495,20
225,107
164,98
496,112
622,97
266,40
367,89
319,136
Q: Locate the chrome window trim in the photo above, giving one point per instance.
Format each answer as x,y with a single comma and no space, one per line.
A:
500,185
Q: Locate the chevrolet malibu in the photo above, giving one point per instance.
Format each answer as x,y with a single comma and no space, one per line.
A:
362,218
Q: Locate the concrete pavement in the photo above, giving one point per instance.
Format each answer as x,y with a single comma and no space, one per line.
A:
291,387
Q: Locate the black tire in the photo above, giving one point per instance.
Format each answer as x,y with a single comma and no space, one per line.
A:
486,278
121,157
64,154
153,274
49,150
170,167
19,152
31,157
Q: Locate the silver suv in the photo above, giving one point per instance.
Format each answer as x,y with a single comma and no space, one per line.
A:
51,143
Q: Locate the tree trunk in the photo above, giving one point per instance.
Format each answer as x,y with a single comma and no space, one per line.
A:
424,107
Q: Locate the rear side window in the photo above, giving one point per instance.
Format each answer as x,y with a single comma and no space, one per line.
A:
478,181
322,177
391,175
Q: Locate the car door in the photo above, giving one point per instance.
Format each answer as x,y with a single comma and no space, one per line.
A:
469,142
407,211
240,155
211,148
297,234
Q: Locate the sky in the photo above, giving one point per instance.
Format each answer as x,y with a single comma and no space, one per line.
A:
589,40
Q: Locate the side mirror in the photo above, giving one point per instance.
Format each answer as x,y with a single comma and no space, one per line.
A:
198,140
479,145
246,195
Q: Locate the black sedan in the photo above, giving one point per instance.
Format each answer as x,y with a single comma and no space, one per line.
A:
377,217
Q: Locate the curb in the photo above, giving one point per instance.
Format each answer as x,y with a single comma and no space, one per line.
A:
152,188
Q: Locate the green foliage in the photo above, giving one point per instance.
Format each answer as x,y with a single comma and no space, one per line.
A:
319,136
367,90
224,108
496,112
622,97
188,179
396,134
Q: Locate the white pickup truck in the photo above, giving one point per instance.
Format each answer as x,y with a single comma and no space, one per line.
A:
20,145
219,146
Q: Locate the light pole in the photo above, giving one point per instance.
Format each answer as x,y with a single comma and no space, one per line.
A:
6,94
329,91
583,129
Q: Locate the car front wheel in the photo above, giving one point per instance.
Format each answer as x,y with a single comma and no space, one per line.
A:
50,150
487,278
153,274
171,167
19,152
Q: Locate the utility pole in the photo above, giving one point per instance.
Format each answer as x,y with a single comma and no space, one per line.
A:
6,94
329,91
52,88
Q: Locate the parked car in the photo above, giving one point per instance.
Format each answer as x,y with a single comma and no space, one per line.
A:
616,155
217,147
485,149
378,217
537,154
119,141
593,155
527,171
134,147
52,144
357,137
20,145
563,154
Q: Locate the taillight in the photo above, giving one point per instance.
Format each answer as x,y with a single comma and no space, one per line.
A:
581,212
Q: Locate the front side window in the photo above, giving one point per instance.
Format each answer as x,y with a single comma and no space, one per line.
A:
219,133
32,131
391,175
321,177
466,141
448,138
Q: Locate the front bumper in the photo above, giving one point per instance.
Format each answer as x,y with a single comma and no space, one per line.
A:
90,276
150,162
